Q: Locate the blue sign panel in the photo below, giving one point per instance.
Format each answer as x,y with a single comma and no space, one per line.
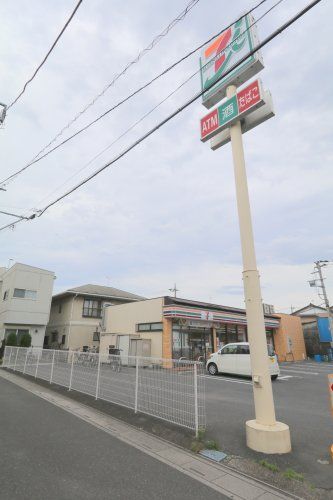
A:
324,331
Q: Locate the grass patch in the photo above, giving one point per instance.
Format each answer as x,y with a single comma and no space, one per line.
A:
269,466
211,445
291,474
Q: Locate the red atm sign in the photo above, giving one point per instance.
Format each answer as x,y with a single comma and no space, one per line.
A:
231,110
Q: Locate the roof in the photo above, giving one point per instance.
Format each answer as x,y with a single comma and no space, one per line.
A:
207,305
309,306
100,291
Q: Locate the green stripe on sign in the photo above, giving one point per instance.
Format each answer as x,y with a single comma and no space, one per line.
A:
228,110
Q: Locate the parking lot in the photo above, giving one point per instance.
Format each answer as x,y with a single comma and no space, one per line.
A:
301,400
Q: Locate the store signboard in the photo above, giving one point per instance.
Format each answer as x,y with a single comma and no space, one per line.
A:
235,108
250,121
224,52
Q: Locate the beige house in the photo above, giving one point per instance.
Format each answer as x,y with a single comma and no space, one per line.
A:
77,315
25,301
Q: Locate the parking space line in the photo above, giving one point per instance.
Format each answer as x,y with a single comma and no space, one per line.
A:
210,377
298,371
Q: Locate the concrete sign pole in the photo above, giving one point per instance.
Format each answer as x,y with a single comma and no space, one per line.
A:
264,434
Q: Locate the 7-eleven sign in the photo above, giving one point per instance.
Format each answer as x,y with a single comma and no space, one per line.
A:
225,51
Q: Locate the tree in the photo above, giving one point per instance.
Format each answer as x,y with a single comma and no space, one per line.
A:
25,340
11,339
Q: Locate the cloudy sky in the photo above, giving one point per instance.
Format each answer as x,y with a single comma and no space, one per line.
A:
166,213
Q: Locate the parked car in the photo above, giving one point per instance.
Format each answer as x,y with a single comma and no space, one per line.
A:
235,359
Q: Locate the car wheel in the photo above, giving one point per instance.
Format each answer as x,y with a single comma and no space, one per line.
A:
212,369
274,377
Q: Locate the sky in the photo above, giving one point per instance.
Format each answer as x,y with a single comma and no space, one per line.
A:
165,213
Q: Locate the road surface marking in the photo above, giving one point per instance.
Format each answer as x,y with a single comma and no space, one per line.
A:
211,377
299,371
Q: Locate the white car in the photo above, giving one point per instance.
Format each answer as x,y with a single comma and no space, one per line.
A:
235,359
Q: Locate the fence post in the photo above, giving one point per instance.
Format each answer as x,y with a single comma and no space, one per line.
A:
98,375
25,361
196,414
51,374
17,351
37,365
136,385
9,357
71,375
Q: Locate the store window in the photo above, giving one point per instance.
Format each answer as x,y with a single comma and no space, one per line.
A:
191,343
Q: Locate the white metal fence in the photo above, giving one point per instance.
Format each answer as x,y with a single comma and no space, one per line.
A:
172,390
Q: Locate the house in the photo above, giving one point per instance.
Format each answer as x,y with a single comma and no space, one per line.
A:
172,327
25,301
76,317
316,330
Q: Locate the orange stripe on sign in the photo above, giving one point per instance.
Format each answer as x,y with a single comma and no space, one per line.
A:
220,40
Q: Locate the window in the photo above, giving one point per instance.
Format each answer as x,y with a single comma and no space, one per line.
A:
230,349
63,339
59,307
243,349
5,295
149,327
54,336
46,340
8,331
20,334
92,308
21,293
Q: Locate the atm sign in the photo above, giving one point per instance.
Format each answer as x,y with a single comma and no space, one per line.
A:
231,110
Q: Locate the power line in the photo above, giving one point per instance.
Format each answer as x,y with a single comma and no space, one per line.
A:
38,158
260,45
267,40
152,44
47,55
157,105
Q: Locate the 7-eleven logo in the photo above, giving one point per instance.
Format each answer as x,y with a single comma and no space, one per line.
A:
218,56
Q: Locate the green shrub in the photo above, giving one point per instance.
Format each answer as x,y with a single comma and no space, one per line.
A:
11,339
25,340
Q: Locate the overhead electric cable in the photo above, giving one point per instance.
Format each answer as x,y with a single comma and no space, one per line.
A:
47,55
155,107
38,158
149,47
260,45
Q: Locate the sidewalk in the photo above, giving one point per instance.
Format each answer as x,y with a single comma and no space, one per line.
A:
219,477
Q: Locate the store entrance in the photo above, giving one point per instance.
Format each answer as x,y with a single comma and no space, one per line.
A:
192,343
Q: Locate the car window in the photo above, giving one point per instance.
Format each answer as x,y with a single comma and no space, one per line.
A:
229,349
270,349
243,349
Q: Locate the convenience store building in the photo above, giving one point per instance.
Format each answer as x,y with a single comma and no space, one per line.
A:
169,327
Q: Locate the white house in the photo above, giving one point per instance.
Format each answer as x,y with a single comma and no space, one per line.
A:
25,301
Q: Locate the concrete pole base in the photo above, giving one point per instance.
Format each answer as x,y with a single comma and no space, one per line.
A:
268,438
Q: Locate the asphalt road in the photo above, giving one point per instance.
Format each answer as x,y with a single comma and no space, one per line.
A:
301,400
49,453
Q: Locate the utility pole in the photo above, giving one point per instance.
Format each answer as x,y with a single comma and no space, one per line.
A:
318,265
3,110
174,290
263,434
